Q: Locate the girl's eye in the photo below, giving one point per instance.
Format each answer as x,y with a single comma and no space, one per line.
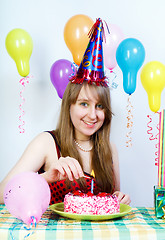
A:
100,106
84,104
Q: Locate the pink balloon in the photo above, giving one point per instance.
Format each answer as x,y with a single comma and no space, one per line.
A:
27,195
60,72
111,44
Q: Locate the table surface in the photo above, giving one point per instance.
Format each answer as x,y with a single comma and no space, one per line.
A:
140,223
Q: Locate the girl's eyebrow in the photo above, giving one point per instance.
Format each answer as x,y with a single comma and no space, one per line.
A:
82,99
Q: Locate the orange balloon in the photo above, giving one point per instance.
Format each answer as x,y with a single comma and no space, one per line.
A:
76,35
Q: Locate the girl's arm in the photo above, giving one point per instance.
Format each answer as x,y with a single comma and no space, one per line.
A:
32,159
42,152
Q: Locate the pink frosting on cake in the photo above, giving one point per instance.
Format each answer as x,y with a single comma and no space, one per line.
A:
87,203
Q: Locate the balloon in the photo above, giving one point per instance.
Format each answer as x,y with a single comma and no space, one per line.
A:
153,81
130,56
60,72
27,195
19,46
76,35
110,45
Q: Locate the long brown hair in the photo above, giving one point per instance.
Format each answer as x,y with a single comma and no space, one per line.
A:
101,154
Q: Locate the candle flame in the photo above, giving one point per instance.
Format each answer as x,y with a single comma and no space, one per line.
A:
93,173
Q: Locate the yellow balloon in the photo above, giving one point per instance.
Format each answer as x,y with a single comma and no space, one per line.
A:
153,81
19,46
76,35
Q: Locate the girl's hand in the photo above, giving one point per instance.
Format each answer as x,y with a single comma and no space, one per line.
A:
123,198
65,167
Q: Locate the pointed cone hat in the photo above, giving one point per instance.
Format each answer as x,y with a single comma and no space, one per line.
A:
91,68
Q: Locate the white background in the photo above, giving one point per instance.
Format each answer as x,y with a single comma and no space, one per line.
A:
44,20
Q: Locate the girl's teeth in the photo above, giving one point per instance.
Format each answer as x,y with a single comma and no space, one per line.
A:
89,123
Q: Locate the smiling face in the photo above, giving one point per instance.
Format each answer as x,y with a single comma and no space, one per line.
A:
87,114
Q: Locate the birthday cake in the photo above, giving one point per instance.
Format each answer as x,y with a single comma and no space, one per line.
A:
88,203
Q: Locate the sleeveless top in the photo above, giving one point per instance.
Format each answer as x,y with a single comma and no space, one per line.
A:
59,188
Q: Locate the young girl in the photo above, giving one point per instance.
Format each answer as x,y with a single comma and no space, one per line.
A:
79,145
66,157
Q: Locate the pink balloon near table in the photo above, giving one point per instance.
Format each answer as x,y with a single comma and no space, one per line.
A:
27,196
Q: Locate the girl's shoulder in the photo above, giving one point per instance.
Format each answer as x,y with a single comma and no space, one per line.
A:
46,137
43,143
113,147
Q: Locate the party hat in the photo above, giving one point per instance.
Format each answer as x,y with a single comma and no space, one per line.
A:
91,68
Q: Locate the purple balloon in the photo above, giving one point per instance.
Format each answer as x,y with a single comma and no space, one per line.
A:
60,72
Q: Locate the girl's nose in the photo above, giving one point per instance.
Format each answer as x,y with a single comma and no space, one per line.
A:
92,112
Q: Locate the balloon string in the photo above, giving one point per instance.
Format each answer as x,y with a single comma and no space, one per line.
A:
31,225
12,231
114,85
26,228
23,81
76,66
129,122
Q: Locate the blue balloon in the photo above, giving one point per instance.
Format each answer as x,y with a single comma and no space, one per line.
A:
130,56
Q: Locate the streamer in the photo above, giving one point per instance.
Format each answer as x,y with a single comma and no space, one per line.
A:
152,137
76,67
150,129
23,82
129,122
25,227
113,85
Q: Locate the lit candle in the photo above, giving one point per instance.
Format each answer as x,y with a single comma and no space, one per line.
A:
92,182
92,186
